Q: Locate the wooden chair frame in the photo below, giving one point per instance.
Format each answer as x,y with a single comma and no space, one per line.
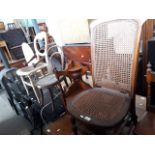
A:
150,77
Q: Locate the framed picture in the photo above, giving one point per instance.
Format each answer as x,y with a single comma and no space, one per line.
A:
11,26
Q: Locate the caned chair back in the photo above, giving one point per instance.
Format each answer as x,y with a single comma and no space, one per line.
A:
114,52
57,57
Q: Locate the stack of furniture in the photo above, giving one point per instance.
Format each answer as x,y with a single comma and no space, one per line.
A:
11,41
114,57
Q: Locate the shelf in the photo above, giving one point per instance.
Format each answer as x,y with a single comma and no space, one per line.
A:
15,63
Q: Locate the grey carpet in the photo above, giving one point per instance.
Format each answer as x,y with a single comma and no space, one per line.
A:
10,122
16,125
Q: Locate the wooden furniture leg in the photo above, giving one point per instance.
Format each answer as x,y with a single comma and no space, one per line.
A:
76,75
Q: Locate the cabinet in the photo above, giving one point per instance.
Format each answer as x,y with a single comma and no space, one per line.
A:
78,52
10,42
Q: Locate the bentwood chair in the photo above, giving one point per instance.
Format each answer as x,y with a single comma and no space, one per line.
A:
110,105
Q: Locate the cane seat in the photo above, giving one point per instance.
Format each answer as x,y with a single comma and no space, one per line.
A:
101,107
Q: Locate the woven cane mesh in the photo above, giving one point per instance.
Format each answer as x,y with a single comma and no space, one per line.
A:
113,46
102,107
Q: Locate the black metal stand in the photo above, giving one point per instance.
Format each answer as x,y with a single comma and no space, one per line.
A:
4,59
3,73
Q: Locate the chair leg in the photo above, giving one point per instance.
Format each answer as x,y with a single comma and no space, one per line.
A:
63,94
134,118
75,130
87,76
133,111
65,80
52,98
41,97
34,89
22,79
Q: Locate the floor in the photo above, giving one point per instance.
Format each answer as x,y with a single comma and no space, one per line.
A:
6,111
10,122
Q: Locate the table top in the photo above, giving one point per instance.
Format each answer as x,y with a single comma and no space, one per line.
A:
100,106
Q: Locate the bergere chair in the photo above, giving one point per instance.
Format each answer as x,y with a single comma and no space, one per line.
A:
42,64
110,105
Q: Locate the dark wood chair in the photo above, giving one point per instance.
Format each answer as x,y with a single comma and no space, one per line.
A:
74,72
150,78
110,105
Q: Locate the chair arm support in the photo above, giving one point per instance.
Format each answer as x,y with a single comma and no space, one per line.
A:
30,60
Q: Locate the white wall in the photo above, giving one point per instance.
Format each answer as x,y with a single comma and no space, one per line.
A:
69,30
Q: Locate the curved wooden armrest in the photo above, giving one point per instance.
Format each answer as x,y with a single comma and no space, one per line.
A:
87,66
86,63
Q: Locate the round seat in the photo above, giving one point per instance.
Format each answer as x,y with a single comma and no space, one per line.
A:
100,106
46,81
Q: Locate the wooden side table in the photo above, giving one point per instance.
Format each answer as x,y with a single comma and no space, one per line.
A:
75,73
